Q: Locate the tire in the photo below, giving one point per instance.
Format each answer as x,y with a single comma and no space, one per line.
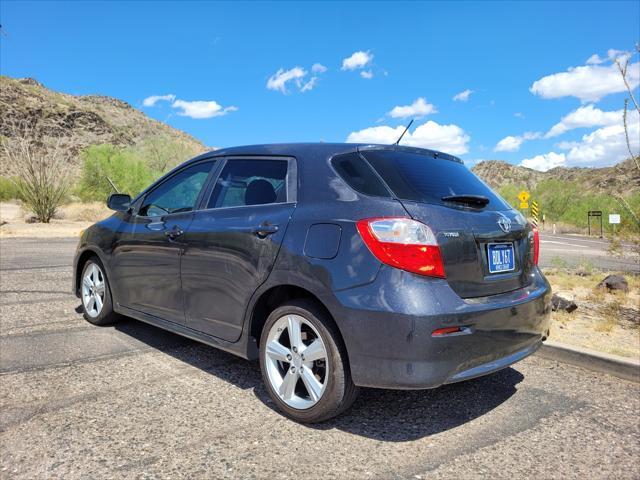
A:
277,363
94,271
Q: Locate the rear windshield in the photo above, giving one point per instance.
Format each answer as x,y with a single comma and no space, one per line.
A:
422,178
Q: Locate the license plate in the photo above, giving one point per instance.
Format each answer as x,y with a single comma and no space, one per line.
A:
500,257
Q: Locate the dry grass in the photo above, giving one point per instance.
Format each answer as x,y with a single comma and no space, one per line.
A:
606,324
69,221
84,212
597,295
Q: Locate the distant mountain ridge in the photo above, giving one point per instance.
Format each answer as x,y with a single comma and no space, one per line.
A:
81,120
622,178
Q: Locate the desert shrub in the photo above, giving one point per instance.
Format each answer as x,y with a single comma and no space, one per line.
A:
8,189
42,167
101,163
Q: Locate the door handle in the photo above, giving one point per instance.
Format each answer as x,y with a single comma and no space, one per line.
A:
265,230
174,233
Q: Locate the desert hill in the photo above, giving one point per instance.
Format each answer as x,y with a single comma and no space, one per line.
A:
80,120
622,178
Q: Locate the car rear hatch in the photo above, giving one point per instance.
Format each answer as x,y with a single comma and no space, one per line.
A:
486,246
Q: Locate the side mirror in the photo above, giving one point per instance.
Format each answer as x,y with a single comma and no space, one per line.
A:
120,202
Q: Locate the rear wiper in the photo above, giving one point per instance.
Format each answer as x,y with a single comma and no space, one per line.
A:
471,200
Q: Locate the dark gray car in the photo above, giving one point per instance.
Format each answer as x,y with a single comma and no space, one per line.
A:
335,265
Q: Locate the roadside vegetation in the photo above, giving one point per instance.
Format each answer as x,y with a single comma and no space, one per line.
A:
566,203
46,183
607,321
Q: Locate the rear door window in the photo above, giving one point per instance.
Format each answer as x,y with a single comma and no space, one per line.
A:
250,182
358,175
423,178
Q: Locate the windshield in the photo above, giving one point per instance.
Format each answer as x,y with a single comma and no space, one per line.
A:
422,178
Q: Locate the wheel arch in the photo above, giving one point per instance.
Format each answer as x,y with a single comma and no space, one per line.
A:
82,259
273,297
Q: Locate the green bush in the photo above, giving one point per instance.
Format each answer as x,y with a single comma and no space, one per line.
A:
161,154
103,162
131,169
8,189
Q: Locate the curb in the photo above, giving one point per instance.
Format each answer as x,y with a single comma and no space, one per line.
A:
621,367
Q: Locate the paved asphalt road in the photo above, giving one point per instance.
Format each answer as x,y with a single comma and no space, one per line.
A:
132,401
576,249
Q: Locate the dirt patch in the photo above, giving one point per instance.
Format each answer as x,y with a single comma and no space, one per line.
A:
70,220
607,322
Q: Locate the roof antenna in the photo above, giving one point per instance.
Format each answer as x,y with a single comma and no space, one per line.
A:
405,131
113,185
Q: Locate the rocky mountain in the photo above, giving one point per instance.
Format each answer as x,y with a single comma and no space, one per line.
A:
621,178
80,120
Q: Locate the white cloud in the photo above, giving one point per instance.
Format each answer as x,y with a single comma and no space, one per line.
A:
419,108
545,161
318,68
308,86
612,55
604,146
368,74
153,99
518,115
196,109
620,55
512,143
585,117
595,60
447,138
357,60
278,81
462,96
589,83
201,108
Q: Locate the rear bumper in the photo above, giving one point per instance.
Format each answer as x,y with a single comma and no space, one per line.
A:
494,366
388,325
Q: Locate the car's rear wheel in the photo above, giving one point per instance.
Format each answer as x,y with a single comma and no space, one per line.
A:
304,363
95,293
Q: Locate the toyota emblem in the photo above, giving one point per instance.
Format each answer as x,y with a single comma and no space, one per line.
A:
504,223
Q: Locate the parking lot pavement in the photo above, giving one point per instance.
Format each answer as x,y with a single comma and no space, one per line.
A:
132,401
573,250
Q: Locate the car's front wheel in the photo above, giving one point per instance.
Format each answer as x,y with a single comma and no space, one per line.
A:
304,363
97,304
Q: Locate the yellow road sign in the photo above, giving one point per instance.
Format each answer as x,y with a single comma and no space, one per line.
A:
524,205
524,196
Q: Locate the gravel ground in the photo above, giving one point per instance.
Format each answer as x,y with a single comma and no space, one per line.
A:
132,401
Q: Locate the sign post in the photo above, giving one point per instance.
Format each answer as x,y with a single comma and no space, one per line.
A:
597,214
535,212
614,219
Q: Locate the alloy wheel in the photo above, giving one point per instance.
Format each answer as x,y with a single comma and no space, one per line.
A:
93,290
296,362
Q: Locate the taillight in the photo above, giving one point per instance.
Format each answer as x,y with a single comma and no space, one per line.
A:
403,243
536,245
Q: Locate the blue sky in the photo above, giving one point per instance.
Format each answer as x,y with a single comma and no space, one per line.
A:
233,58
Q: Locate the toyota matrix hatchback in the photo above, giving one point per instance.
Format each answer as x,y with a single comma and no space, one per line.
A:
335,265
